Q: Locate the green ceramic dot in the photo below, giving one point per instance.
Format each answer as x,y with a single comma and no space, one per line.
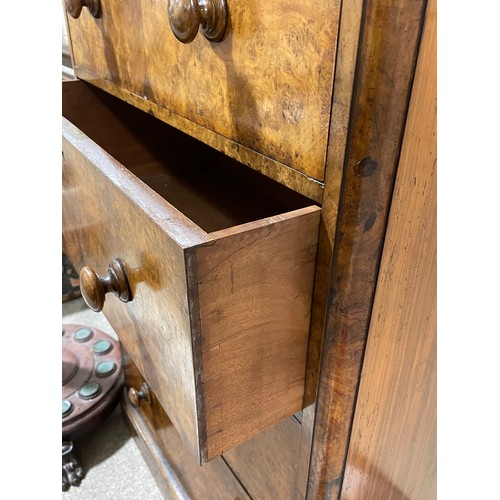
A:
89,390
67,407
105,368
83,334
102,346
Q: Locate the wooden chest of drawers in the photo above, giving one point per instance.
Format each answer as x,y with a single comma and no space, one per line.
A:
219,308
267,87
245,185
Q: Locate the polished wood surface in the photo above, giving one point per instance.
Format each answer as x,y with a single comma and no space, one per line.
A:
176,471
219,321
107,213
348,40
187,16
266,86
148,443
373,67
138,396
389,39
346,54
291,178
272,169
174,165
392,452
94,287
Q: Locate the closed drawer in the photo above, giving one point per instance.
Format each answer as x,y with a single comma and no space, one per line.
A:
176,471
267,85
220,262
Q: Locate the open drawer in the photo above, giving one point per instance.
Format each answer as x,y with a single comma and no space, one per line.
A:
219,262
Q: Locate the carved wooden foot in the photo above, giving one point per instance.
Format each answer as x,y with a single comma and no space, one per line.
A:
72,471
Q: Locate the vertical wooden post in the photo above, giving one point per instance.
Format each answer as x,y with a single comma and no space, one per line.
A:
388,46
392,452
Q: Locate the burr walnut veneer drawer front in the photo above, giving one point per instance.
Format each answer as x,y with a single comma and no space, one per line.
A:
267,85
219,260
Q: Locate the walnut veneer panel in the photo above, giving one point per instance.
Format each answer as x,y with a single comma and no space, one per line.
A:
101,222
266,86
219,321
393,446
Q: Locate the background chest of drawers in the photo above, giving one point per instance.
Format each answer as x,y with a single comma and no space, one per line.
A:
245,184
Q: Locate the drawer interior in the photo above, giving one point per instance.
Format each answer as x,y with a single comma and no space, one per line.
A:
219,320
213,190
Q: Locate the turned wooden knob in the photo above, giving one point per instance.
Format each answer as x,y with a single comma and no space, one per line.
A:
94,287
74,7
186,16
135,396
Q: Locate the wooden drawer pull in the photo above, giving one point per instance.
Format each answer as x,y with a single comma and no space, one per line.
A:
74,7
136,396
95,287
185,17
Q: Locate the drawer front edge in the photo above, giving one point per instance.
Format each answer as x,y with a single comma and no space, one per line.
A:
177,472
267,84
100,215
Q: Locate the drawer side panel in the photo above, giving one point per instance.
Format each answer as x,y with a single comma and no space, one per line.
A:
255,288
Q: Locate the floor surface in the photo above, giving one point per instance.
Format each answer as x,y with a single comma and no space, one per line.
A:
115,469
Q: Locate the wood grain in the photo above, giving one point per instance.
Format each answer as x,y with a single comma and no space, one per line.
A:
174,165
392,452
384,69
267,464
266,86
261,274
148,443
219,321
103,205
347,47
272,169
342,90
176,471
